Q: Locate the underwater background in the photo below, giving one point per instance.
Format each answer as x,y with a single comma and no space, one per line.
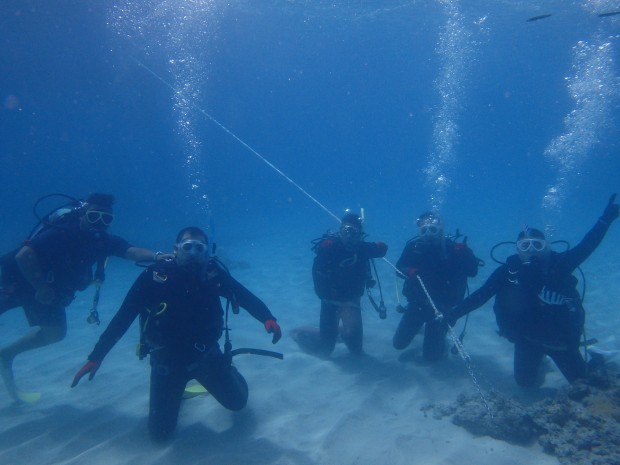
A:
393,106
263,120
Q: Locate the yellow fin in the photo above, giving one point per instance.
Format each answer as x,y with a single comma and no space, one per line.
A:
29,397
194,390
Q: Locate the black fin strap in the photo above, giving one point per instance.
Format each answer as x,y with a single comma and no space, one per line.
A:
248,350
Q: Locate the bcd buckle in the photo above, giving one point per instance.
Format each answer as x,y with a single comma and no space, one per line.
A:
200,347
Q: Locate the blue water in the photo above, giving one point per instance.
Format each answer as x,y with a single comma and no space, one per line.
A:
350,99
393,106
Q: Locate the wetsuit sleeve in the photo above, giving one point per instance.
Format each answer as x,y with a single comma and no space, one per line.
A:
572,258
121,322
117,246
374,249
245,299
481,296
320,269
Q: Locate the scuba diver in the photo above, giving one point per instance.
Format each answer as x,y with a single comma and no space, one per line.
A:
442,266
341,273
537,306
181,322
57,260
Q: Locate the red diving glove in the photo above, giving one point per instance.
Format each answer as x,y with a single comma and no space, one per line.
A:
272,327
382,248
89,367
411,272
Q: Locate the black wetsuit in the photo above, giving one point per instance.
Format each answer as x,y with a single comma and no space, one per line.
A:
538,308
67,256
181,319
444,268
340,276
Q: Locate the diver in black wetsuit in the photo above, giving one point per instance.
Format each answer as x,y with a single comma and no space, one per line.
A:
341,272
44,274
181,321
537,305
443,265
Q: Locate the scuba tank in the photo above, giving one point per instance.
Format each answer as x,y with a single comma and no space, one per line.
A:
64,216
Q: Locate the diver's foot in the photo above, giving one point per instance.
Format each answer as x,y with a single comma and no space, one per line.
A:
6,371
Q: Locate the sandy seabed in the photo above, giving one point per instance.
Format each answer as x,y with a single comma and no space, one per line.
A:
302,410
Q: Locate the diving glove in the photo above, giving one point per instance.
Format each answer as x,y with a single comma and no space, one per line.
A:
89,368
273,328
611,210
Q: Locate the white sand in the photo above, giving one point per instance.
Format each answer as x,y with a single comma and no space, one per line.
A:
302,410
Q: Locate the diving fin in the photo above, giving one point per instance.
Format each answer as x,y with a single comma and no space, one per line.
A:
28,397
18,396
195,390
